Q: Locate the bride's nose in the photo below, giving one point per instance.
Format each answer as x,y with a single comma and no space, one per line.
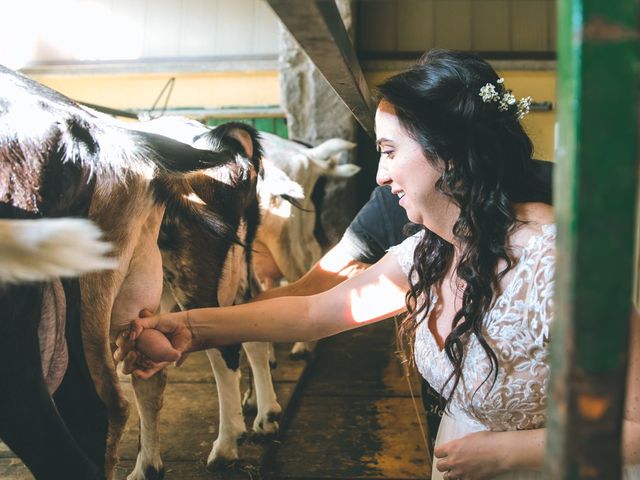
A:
382,176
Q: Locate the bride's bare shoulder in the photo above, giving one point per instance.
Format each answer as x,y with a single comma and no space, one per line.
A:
532,218
534,213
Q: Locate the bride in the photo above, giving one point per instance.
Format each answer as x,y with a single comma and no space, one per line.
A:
476,281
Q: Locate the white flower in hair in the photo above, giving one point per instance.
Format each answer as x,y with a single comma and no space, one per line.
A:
488,93
523,107
507,100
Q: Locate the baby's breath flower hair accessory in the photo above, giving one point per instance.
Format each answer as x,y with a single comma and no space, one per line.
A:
498,93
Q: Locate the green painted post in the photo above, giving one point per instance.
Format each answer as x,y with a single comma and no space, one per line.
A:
595,193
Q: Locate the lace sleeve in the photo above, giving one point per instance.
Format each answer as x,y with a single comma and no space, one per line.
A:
540,298
404,251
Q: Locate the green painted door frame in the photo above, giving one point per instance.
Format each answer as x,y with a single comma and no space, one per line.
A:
595,197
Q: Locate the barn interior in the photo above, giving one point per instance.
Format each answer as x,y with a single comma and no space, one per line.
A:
307,70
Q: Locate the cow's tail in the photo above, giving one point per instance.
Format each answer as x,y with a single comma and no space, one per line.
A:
36,250
172,156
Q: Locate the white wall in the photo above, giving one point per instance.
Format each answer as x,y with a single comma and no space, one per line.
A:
71,31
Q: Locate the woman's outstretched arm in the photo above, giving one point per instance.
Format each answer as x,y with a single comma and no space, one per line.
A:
375,294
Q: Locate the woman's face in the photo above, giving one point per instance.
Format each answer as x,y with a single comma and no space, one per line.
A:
404,167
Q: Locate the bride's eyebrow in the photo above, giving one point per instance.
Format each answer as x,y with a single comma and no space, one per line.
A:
382,140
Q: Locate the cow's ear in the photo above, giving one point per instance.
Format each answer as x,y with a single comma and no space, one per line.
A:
245,140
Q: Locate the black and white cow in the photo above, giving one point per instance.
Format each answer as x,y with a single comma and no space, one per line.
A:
61,408
201,270
286,246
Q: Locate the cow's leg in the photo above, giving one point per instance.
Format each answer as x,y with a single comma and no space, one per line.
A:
273,361
149,395
149,398
250,399
226,369
99,292
29,422
269,410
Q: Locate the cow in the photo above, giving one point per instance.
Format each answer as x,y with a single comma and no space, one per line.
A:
64,419
286,246
202,270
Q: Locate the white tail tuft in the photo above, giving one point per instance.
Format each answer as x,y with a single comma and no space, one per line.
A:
35,250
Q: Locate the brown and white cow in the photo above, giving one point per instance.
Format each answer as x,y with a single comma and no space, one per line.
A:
57,159
202,269
285,246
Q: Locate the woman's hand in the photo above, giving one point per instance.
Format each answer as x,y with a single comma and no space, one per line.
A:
152,343
477,456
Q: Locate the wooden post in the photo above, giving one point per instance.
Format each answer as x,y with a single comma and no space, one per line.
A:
595,190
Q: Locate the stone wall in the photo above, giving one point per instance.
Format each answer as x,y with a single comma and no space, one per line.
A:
315,113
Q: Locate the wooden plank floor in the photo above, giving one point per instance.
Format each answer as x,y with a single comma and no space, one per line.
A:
355,417
349,414
189,423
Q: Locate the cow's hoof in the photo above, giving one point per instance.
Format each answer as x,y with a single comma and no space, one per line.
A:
218,464
268,424
150,473
223,455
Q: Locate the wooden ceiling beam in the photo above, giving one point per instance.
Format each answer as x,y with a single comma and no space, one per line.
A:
319,30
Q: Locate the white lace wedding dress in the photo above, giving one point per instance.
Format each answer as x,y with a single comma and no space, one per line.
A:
517,329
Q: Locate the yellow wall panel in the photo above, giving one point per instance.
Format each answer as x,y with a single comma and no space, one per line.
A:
541,85
191,90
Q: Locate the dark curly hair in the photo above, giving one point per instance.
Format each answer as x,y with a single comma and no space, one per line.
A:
486,159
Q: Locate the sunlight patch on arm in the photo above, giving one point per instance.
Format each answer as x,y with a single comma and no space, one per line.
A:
335,261
382,299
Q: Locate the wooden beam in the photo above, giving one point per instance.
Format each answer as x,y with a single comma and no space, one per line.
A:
318,28
595,187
